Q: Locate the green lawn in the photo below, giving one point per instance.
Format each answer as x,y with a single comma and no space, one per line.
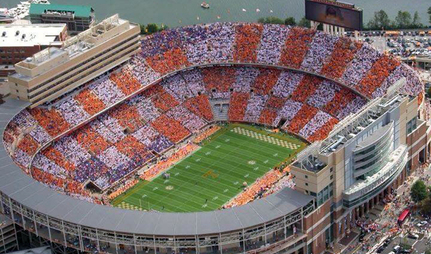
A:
214,174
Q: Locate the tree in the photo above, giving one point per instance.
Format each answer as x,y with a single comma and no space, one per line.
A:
270,20
429,12
417,21
152,28
418,191
379,21
403,19
290,21
304,22
143,29
425,206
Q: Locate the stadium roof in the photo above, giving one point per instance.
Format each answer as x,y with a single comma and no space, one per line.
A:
79,10
34,195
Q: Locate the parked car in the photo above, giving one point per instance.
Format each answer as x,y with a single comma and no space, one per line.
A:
422,223
413,236
397,248
381,248
407,251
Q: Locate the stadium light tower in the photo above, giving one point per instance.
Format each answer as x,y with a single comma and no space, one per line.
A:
335,16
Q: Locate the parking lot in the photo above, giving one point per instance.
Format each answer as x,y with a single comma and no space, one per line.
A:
403,44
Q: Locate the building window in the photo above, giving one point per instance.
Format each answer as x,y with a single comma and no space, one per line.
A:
306,176
332,177
306,184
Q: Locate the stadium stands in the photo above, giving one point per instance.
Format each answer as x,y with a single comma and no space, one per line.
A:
163,112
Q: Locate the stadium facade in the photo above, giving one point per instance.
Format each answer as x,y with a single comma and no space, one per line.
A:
364,159
339,177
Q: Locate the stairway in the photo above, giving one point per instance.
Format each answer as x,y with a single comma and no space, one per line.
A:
220,109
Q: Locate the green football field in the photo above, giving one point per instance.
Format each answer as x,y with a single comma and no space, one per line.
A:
213,174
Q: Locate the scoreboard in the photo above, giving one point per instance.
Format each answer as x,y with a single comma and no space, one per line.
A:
334,13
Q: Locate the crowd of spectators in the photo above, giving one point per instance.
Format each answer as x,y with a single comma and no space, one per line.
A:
247,39
381,69
132,133
319,50
257,189
285,182
163,114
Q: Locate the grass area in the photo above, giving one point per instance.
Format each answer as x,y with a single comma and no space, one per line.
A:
214,174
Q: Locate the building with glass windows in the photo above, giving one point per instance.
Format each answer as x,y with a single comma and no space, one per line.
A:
368,156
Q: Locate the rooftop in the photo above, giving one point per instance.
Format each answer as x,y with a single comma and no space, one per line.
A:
74,46
13,35
308,159
77,10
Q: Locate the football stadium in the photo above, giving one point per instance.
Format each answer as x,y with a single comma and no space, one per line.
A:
211,138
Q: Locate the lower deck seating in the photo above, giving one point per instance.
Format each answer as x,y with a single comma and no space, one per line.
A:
129,135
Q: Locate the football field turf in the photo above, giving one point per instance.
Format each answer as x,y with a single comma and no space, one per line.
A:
213,174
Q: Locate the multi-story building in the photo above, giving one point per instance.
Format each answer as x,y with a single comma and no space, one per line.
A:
366,157
78,18
17,42
54,71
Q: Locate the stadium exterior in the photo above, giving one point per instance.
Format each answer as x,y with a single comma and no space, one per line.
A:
382,145
329,196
